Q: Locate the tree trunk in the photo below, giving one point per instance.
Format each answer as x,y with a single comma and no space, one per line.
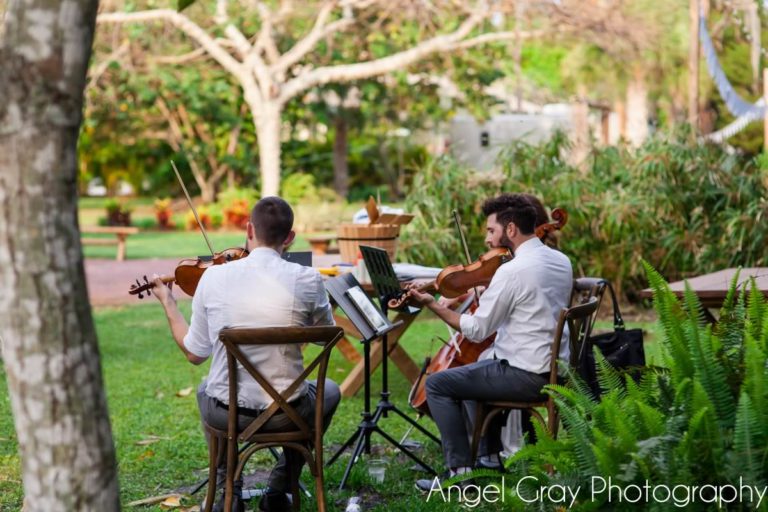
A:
48,337
580,137
637,109
340,150
267,121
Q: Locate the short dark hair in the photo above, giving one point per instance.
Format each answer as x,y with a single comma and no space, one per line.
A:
506,200
272,220
522,216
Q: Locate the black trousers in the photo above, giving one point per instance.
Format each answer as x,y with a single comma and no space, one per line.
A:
450,390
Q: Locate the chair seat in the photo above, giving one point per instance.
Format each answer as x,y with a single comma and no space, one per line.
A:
266,437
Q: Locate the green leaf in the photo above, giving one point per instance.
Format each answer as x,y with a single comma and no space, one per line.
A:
183,4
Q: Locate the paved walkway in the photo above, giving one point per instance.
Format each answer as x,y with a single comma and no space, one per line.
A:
109,280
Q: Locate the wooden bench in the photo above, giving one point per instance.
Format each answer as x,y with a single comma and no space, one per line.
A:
120,232
321,243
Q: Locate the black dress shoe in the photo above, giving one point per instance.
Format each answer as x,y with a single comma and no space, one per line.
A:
274,501
440,482
237,504
493,463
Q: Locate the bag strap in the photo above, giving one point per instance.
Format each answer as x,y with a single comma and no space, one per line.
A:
618,321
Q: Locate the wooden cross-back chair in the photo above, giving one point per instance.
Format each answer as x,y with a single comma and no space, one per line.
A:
584,288
302,438
579,319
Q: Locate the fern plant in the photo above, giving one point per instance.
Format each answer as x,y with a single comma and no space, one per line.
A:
700,420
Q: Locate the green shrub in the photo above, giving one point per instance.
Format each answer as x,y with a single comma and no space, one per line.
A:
442,186
145,223
689,208
300,187
702,419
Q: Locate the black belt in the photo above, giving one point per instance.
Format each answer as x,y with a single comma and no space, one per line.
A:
504,361
245,411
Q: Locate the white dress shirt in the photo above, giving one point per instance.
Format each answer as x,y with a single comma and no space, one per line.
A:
522,305
261,290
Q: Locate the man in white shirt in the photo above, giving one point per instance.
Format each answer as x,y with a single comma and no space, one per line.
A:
521,304
260,290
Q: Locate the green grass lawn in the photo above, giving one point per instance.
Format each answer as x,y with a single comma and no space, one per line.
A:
175,244
144,371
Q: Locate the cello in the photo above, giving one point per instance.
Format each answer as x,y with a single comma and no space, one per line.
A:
460,351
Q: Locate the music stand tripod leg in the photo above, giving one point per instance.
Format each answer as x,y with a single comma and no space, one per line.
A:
362,436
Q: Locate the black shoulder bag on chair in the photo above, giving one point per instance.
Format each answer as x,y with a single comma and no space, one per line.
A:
622,348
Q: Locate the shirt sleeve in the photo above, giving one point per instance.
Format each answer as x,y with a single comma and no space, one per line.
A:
496,304
322,313
198,340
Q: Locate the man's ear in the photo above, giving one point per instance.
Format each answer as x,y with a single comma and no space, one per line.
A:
250,231
511,230
289,239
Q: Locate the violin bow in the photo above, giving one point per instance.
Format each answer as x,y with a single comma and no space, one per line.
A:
189,201
464,244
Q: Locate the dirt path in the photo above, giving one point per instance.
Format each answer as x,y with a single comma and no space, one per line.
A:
109,280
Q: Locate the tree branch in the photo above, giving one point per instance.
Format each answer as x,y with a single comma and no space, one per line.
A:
319,31
498,36
186,57
189,27
347,72
265,41
99,69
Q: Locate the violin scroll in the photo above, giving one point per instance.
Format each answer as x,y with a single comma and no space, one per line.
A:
560,219
139,288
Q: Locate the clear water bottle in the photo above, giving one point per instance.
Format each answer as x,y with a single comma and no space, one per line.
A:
353,505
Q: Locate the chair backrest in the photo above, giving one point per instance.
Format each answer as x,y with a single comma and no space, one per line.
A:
233,339
579,319
585,288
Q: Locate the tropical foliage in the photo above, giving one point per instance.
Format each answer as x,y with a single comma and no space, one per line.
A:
701,419
689,208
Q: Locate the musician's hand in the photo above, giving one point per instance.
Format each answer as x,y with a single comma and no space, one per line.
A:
422,299
161,290
448,303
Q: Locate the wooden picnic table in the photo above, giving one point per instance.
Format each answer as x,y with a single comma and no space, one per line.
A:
712,288
120,232
355,379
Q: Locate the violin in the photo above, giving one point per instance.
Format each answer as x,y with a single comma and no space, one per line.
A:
455,280
189,271
461,351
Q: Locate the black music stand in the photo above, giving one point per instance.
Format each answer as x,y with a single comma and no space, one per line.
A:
387,286
339,289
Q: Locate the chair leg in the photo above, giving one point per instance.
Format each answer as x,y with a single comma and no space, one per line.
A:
319,480
213,453
477,431
555,424
292,476
229,487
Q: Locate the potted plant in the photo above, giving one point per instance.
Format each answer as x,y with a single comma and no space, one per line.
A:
205,219
163,213
118,213
235,205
